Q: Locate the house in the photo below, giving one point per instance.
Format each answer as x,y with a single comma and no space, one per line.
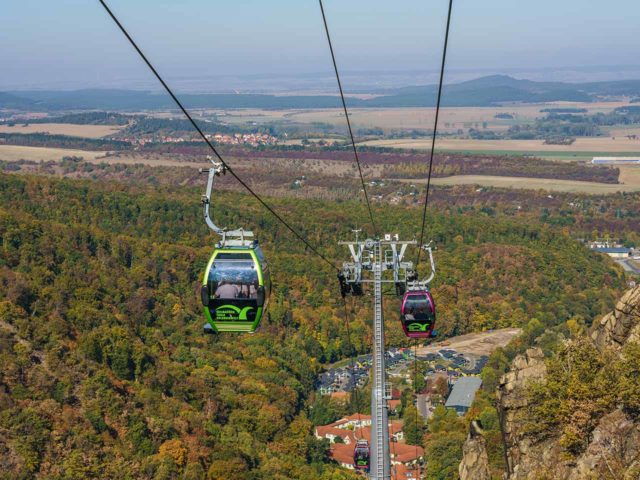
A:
344,428
356,420
615,161
331,432
463,393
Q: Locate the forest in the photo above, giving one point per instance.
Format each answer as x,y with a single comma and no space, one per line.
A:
82,118
108,374
564,122
62,141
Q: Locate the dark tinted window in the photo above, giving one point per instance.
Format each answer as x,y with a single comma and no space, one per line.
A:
233,256
233,277
418,306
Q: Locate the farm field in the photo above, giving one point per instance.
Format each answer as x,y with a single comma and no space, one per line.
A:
418,118
572,186
43,154
583,144
14,152
630,175
333,170
87,131
451,118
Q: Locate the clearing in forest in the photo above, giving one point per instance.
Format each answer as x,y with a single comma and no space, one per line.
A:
482,343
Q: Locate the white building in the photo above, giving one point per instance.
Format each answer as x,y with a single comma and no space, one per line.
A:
614,252
616,160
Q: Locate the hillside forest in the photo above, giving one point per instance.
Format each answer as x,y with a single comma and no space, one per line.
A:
107,374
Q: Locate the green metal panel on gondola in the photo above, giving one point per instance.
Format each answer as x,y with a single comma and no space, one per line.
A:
235,289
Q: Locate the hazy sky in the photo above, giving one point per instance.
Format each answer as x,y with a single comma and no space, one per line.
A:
73,44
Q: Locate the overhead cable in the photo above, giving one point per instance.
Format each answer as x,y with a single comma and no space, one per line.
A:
346,115
435,129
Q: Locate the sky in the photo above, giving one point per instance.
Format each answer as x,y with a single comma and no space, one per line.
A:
212,45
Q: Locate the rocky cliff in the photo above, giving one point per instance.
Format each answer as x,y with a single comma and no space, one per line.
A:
613,446
475,465
620,326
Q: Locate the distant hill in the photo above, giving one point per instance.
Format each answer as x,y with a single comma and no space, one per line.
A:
8,100
486,91
481,92
123,100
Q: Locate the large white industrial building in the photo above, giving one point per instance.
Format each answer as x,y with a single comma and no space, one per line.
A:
616,160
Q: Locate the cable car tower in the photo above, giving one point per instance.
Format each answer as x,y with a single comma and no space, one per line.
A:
371,259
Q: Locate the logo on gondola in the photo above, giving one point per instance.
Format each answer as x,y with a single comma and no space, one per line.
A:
232,313
418,327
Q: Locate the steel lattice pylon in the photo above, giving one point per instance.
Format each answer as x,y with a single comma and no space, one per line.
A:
375,256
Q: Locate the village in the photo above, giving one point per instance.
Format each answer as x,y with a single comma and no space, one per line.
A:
245,139
447,377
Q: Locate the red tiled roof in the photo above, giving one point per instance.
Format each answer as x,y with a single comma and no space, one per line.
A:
403,453
343,396
393,404
342,453
395,426
357,417
363,433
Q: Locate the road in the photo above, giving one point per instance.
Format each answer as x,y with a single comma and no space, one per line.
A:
421,404
629,265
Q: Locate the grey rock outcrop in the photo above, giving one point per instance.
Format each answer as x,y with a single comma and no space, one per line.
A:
475,461
614,451
522,449
620,326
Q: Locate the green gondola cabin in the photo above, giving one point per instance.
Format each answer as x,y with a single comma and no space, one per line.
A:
235,289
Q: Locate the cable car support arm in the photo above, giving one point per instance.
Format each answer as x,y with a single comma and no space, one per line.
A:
423,284
238,237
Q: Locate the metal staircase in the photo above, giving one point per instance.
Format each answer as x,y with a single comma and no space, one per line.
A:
380,462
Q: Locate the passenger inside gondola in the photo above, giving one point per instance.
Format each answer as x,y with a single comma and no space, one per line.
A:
227,290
